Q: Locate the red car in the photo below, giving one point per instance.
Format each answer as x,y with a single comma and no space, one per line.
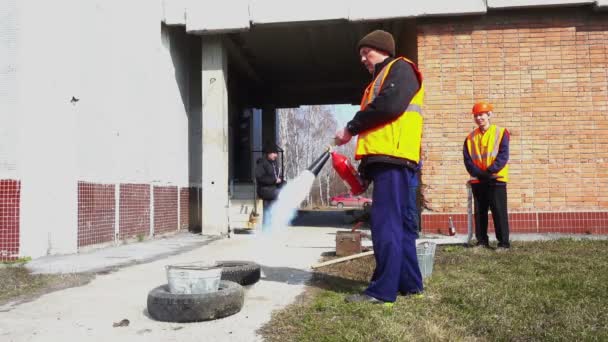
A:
348,200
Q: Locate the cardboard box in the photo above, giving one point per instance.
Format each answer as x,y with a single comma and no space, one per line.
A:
348,243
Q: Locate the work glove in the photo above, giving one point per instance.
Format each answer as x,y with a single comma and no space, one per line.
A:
484,176
342,136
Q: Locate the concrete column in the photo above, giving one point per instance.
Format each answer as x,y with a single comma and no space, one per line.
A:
214,137
269,125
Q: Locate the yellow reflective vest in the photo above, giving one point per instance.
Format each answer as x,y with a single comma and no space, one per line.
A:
400,138
483,149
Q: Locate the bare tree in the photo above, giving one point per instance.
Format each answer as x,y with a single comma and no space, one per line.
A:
304,133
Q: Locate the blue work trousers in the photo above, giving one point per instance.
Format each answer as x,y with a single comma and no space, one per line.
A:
394,233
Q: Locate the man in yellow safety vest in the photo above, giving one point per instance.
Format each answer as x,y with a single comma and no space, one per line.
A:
486,157
389,129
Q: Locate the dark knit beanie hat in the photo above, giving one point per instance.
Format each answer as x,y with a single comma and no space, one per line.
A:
380,40
271,148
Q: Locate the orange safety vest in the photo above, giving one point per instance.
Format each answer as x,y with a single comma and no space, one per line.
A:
483,149
400,138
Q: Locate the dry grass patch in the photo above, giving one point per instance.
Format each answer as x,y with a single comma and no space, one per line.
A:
18,284
555,290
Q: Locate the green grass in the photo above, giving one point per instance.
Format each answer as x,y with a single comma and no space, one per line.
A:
550,291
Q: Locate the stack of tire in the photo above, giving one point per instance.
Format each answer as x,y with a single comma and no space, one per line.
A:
228,300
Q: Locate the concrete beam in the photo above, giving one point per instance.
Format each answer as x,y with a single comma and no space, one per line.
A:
214,137
360,10
280,11
222,16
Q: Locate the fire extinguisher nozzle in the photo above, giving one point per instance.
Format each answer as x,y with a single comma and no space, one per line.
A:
318,164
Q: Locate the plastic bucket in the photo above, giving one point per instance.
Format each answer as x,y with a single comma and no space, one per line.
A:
426,256
193,279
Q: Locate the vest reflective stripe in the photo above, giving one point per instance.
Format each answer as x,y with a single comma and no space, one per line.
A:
378,82
400,138
477,155
483,149
414,108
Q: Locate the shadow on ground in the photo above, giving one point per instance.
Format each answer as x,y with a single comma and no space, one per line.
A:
294,276
336,218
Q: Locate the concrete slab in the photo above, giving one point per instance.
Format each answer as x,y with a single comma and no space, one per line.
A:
87,313
109,258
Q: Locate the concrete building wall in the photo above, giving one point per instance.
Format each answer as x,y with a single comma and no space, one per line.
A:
10,186
46,146
546,73
96,105
8,89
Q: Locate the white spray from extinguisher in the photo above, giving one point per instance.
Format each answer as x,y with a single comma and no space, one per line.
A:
285,209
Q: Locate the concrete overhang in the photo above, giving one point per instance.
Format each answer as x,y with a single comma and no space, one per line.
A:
304,63
503,4
237,15
361,10
290,53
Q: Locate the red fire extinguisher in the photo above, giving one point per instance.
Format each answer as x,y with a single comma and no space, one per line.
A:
451,228
348,173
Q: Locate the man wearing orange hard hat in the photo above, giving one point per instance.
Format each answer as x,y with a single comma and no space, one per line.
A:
486,157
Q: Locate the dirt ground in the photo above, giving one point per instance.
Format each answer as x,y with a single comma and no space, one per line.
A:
18,285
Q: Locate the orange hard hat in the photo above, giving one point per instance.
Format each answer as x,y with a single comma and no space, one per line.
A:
482,107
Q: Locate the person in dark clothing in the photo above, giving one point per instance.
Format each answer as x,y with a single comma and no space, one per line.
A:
486,157
269,180
389,129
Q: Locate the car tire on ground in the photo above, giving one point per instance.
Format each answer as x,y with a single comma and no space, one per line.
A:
182,308
340,205
241,272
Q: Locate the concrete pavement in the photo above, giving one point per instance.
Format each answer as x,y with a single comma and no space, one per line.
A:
87,313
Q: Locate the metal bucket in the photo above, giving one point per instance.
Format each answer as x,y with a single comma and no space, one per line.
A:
426,256
193,278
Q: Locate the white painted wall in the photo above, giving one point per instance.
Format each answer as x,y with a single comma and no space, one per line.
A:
8,89
230,15
130,123
174,12
47,59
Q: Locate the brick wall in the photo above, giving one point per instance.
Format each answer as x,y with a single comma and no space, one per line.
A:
527,222
547,74
134,210
10,193
165,209
96,213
